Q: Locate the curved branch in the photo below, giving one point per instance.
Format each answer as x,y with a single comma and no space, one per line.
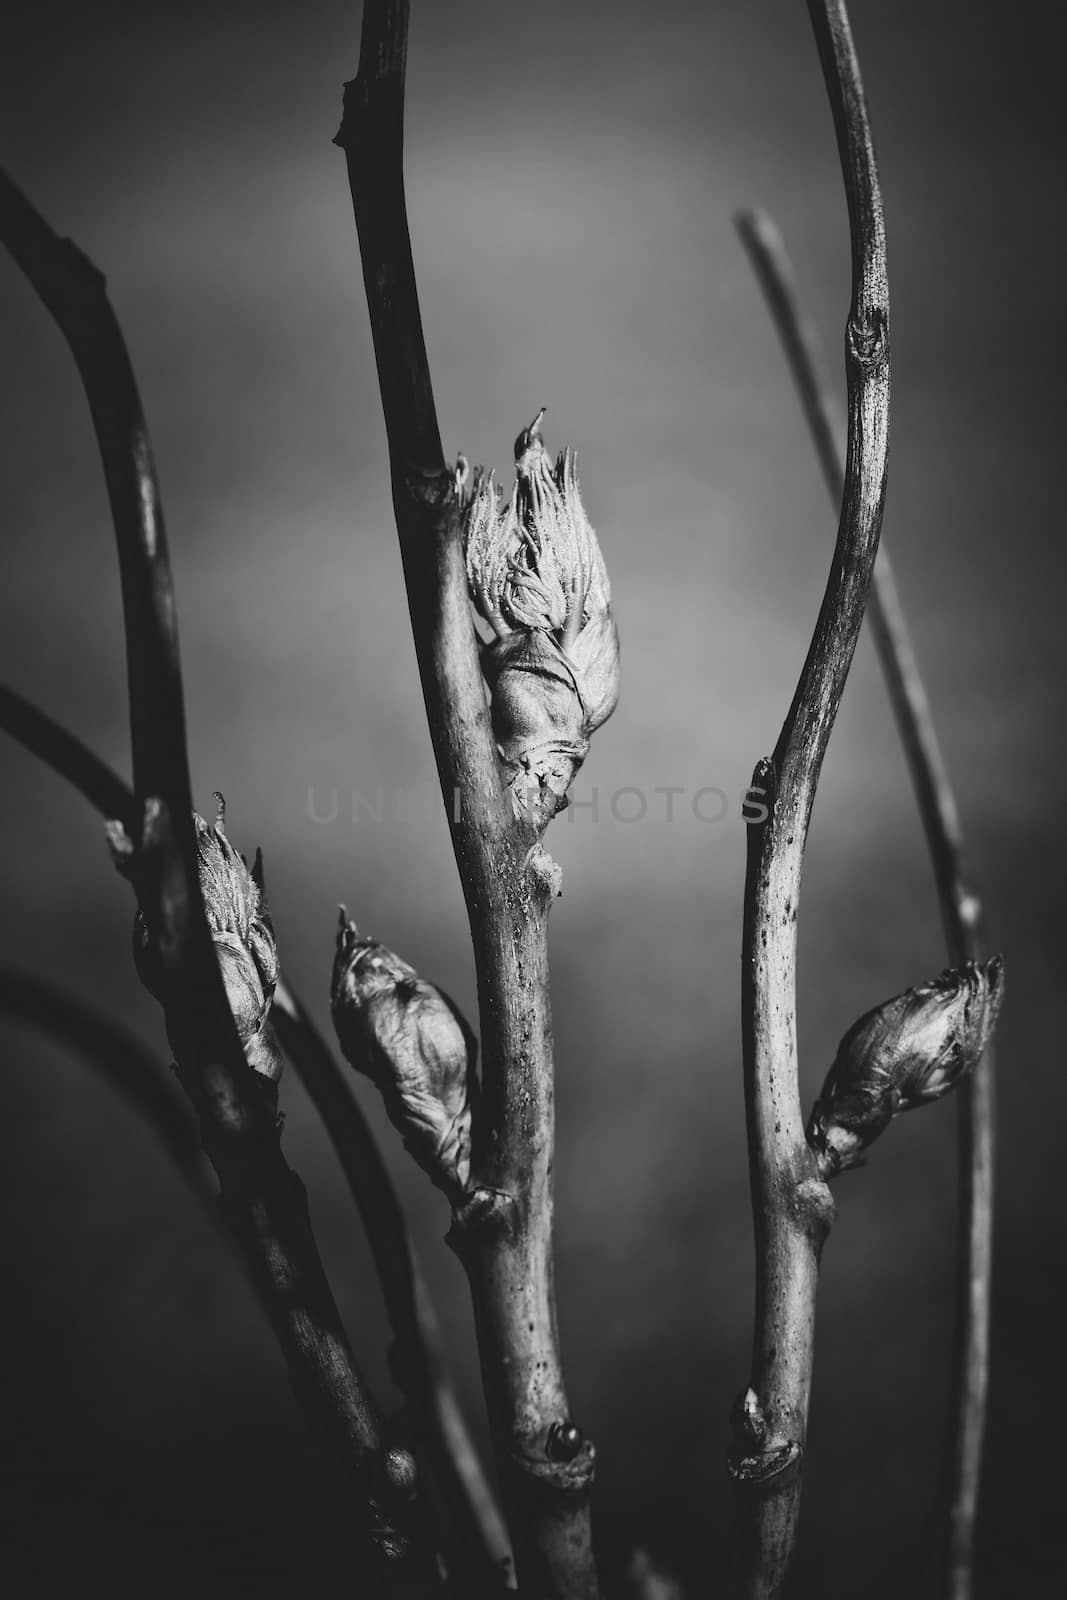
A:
74,292
504,1237
68,756
791,1204
961,911
263,1200
121,1060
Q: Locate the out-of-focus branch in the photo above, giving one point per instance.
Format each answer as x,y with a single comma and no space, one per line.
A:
264,1202
121,1060
791,1203
68,756
503,1235
961,911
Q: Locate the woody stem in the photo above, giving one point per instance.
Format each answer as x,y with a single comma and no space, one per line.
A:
504,1235
791,1204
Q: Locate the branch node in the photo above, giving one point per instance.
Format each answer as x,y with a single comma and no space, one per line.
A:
571,1476
749,1421
769,1470
354,105
764,784
814,1205
564,1442
545,871
868,338
485,1214
432,487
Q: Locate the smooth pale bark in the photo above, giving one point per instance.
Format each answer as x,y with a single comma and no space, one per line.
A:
791,1203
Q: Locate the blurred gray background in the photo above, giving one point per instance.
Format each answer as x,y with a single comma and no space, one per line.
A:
572,175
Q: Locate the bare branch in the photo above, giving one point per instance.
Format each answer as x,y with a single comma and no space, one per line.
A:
264,1202
961,911
74,292
960,908
792,1207
503,1235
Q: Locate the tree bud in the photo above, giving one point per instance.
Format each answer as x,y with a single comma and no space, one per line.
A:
903,1054
242,934
538,578
410,1040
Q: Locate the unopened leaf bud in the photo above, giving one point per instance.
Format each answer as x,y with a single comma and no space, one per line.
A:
903,1054
537,577
241,932
410,1040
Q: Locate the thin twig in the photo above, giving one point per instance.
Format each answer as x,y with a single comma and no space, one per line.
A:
68,756
961,911
419,1363
504,1235
74,292
791,1204
264,1202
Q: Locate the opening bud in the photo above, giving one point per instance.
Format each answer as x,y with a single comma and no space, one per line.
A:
903,1054
241,931
537,577
410,1040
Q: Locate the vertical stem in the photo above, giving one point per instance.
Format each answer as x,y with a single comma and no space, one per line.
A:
504,1234
792,1208
961,911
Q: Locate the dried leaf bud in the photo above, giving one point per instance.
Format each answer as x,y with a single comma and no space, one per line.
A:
241,931
903,1054
538,578
411,1041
